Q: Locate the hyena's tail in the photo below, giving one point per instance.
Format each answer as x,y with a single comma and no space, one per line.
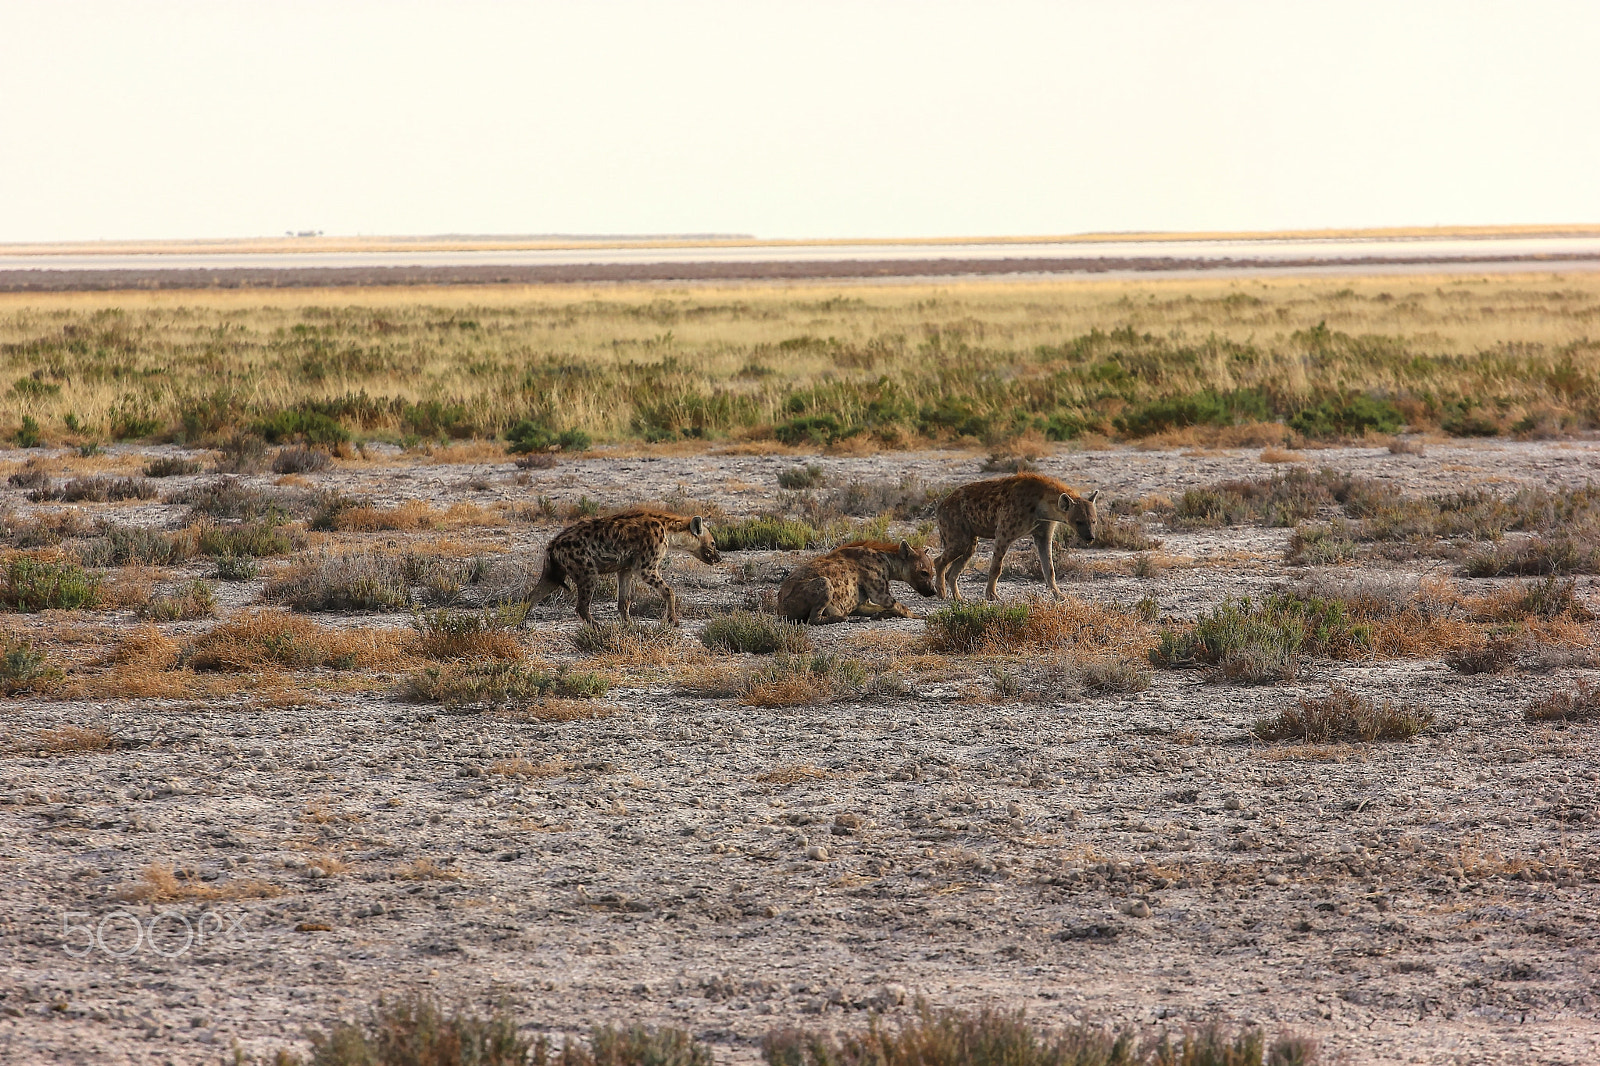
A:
552,580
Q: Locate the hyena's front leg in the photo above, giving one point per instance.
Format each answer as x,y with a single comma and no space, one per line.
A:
654,579
1044,538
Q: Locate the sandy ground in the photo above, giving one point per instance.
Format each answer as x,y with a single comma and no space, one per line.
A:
1113,859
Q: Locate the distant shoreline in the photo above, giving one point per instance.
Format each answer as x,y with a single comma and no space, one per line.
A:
157,278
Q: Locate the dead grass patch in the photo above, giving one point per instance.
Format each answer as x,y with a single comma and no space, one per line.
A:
1105,630
1344,715
189,601
1581,703
161,883
1281,455
520,767
69,739
794,774
495,684
630,643
275,638
425,869
465,635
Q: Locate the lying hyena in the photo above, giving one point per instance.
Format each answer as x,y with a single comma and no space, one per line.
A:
1007,509
631,545
854,580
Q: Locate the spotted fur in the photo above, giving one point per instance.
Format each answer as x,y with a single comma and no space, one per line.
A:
1007,509
854,580
631,545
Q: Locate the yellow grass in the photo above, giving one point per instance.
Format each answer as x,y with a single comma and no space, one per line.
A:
679,349
160,883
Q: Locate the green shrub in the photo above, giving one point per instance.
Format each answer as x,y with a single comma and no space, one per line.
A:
237,568
1321,545
743,631
1203,408
191,600
229,497
1348,416
1574,551
967,626
766,534
118,545
817,430
295,424
622,638
530,435
28,434
801,477
255,538
493,684
1264,642
31,586
23,667
416,1032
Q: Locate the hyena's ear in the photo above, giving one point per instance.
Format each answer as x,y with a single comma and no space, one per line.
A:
906,551
1093,496
697,526
1067,501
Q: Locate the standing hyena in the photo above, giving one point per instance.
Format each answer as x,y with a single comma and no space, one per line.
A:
1006,509
631,545
854,580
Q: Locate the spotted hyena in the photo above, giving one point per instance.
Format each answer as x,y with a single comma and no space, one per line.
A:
1006,509
854,580
631,545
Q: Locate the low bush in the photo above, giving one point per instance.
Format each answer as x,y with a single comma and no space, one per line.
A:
766,534
300,460
1096,631
991,1037
1263,642
463,684
191,600
624,638
1117,534
903,499
532,435
118,545
30,585
228,497
272,638
243,453
801,477
24,667
761,634
1105,677
446,634
33,477
1496,655
1321,545
1344,715
1581,703
253,538
796,680
237,568
373,581
171,466
102,490
1574,551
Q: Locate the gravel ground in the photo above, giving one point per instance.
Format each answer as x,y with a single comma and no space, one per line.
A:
1118,859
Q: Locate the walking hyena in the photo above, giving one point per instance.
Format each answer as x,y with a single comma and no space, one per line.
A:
1006,509
631,545
854,580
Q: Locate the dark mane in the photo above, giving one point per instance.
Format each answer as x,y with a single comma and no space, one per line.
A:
1054,484
875,545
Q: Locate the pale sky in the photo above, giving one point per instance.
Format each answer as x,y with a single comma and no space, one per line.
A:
220,119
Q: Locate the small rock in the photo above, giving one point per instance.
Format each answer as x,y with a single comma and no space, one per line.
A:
1275,879
1233,803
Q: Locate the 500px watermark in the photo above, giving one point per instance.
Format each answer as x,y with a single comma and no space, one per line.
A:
168,933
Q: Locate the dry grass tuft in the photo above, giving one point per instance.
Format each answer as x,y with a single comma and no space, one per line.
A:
425,870
1581,703
464,635
1344,715
71,738
1105,630
160,883
630,643
189,601
1281,455
520,767
794,774
274,638
496,684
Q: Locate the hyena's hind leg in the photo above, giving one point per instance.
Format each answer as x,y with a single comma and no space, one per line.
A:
625,595
947,568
